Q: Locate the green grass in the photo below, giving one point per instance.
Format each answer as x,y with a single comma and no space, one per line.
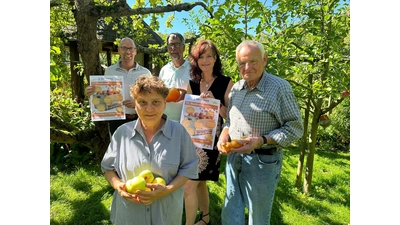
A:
82,195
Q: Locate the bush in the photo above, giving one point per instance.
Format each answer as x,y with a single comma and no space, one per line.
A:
336,137
77,115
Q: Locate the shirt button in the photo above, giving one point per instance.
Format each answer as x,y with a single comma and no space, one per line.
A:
148,209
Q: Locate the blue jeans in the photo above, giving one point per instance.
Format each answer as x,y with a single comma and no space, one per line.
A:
251,181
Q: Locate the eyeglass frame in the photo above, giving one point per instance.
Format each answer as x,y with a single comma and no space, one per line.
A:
175,45
126,49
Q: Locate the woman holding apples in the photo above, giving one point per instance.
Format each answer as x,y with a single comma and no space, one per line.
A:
154,143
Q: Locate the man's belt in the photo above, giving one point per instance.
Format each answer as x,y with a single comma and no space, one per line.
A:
131,116
265,151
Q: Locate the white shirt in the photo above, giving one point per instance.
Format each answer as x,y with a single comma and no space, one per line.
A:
178,78
129,79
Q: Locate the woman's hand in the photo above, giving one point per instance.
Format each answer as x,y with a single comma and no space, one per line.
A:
148,197
121,188
207,94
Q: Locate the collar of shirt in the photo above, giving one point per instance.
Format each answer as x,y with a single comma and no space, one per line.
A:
260,86
185,63
134,68
165,129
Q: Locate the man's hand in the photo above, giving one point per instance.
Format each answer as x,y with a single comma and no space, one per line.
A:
182,96
129,103
89,90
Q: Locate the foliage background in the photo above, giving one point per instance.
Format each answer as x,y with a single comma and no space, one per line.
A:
307,42
374,66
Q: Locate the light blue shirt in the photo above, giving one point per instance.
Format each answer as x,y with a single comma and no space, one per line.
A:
170,153
178,78
270,108
130,78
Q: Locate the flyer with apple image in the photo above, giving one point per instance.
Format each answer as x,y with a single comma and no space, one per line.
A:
106,102
199,116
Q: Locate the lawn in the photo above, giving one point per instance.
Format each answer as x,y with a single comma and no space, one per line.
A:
81,195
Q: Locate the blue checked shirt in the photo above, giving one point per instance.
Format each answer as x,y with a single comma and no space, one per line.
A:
270,109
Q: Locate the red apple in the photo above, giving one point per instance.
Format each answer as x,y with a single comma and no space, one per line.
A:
345,94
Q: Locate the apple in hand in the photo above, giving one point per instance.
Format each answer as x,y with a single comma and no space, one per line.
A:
136,183
226,146
235,144
147,175
159,180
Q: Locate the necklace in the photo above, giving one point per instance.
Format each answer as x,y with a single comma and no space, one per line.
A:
207,83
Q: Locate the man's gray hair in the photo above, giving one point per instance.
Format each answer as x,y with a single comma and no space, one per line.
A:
174,36
126,38
250,42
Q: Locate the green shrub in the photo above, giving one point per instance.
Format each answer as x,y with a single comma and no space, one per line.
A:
336,137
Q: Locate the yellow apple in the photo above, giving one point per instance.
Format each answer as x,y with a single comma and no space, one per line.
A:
226,146
147,175
159,180
148,189
136,183
235,144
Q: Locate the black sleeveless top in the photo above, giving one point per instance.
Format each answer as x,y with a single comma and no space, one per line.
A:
218,87
210,160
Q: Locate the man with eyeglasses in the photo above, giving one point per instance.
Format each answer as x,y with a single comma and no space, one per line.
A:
130,70
176,74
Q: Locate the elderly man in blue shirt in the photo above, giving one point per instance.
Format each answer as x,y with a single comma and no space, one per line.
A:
264,116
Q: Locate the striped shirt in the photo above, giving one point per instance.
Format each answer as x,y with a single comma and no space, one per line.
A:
270,109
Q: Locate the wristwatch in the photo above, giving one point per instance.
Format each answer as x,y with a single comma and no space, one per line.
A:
265,140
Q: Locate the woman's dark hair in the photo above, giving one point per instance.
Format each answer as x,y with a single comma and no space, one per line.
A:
148,84
199,49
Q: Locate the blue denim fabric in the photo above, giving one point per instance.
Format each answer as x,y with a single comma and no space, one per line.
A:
251,181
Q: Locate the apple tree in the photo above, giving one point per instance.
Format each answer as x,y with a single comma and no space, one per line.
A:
309,42
84,15
308,45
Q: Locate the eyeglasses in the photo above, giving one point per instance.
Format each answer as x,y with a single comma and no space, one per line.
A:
126,49
250,63
176,45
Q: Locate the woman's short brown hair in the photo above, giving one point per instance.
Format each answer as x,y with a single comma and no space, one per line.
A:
148,84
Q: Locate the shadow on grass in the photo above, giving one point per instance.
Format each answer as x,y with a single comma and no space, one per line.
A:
92,210
287,194
82,210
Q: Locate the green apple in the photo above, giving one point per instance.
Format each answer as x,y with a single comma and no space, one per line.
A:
159,180
147,175
136,183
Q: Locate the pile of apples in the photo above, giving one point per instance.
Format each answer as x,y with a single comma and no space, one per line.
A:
231,144
139,182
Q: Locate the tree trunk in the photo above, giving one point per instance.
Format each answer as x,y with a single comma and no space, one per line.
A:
311,148
303,146
88,49
76,78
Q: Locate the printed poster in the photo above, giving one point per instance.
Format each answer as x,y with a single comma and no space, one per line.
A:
106,102
200,117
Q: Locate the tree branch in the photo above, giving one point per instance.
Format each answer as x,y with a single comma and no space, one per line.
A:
56,121
300,85
332,105
61,136
54,3
122,9
164,49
